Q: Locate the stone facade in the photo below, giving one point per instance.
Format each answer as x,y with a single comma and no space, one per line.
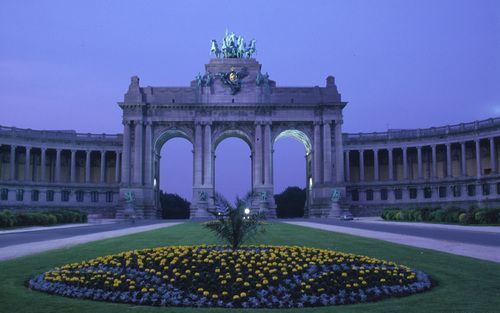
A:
450,165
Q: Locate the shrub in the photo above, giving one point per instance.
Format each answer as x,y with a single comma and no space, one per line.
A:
6,219
9,219
462,218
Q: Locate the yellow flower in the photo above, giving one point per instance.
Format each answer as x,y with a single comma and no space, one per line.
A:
243,294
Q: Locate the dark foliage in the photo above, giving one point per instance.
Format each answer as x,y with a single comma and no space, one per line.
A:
42,218
450,215
174,206
290,203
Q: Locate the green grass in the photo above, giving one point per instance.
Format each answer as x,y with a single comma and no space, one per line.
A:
464,284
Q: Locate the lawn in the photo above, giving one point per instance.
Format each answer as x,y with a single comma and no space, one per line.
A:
464,284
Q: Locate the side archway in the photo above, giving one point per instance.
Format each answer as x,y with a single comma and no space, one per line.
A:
160,139
306,142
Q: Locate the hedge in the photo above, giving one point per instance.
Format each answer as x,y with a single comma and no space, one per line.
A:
45,218
443,215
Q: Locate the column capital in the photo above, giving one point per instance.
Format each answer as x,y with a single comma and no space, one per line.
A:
74,151
339,122
59,150
258,123
198,123
317,123
375,149
43,149
139,122
206,123
326,122
126,122
13,146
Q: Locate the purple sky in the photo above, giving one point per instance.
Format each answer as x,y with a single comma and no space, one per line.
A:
399,64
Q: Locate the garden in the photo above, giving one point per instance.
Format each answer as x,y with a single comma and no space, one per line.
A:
459,284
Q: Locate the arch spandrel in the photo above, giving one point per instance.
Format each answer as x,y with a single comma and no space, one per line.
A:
164,134
222,132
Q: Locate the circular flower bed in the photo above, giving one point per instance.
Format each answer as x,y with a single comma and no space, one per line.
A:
216,276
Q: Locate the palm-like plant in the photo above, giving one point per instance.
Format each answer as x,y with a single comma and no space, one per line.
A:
235,225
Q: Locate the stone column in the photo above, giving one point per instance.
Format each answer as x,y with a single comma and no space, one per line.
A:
390,166
405,163
339,153
138,151
419,163
347,167
58,165
43,175
148,156
102,176
463,159
375,165
268,157
72,170
327,152
361,165
207,156
27,167
258,154
87,166
13,162
198,154
478,158
493,156
448,161
117,167
434,161
126,153
317,154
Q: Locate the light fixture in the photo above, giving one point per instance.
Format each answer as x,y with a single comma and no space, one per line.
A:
247,211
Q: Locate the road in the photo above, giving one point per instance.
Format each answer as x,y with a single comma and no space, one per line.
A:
438,233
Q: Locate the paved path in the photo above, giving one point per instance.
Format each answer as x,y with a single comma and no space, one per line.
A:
11,251
477,235
484,252
31,235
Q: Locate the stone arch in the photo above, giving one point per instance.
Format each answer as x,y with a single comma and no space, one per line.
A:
298,135
228,133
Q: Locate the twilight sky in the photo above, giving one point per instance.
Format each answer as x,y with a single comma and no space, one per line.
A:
399,64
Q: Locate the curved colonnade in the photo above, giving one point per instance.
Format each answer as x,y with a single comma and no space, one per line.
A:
455,165
59,169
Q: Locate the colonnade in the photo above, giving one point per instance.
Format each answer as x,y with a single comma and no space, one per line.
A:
467,150
43,164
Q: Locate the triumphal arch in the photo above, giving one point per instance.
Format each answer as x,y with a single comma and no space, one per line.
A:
233,98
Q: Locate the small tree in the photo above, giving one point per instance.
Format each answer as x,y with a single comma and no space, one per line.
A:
290,203
235,225
173,206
